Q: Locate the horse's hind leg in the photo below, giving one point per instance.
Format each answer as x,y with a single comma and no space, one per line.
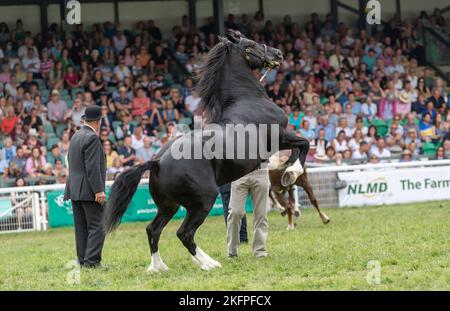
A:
303,182
154,229
195,217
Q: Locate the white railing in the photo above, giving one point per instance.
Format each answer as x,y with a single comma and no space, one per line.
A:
323,180
344,168
24,214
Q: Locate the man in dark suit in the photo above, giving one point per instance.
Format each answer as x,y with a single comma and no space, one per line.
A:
86,188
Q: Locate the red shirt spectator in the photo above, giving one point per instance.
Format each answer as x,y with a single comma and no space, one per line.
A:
9,123
140,104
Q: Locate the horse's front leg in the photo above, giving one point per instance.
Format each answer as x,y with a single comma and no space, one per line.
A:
276,202
292,194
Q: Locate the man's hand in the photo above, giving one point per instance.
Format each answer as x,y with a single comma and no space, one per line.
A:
100,197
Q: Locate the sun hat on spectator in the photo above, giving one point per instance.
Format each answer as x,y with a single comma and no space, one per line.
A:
32,132
404,97
320,157
55,92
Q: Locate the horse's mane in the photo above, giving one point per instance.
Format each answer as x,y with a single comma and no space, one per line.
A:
209,76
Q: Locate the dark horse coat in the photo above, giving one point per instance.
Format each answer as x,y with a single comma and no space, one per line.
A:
230,94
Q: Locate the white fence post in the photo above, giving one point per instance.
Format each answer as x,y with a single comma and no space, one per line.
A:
36,211
44,209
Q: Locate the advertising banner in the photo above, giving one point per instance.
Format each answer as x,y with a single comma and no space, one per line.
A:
390,186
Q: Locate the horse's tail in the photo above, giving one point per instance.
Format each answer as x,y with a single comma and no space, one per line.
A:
122,192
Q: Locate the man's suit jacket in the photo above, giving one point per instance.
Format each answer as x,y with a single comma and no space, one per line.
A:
87,166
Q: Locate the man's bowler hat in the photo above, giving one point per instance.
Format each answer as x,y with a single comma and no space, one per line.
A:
92,113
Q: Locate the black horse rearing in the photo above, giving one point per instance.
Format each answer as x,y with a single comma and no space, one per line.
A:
230,94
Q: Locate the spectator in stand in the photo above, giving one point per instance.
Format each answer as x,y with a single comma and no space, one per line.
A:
146,152
31,62
137,139
56,77
140,104
55,154
380,150
58,112
64,144
127,153
71,78
121,71
8,150
34,166
46,65
19,160
110,153
32,142
33,120
116,167
9,122
4,167
361,152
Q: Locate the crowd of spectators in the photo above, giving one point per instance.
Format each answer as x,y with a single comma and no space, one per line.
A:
353,95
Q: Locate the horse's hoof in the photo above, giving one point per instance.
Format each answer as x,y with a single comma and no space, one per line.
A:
204,261
288,179
152,269
208,264
326,221
290,227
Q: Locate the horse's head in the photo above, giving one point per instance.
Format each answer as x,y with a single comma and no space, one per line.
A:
257,55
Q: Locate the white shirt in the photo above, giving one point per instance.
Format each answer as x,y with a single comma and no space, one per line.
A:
347,131
120,44
192,102
358,155
137,143
340,147
385,153
26,61
122,73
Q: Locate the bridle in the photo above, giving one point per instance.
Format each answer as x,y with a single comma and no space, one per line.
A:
247,52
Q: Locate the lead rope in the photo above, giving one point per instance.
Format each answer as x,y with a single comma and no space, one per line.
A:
264,75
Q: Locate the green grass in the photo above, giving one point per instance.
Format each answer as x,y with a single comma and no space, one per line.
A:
411,242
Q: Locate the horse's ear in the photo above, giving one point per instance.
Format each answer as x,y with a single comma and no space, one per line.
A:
233,35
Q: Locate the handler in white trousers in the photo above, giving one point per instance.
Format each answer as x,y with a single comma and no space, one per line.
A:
258,184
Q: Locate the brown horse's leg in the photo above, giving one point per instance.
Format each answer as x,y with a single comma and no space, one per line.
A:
292,202
277,203
302,181
290,218
287,209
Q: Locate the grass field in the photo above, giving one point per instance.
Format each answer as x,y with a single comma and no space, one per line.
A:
411,242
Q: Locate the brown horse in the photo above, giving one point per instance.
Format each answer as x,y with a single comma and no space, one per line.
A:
287,204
